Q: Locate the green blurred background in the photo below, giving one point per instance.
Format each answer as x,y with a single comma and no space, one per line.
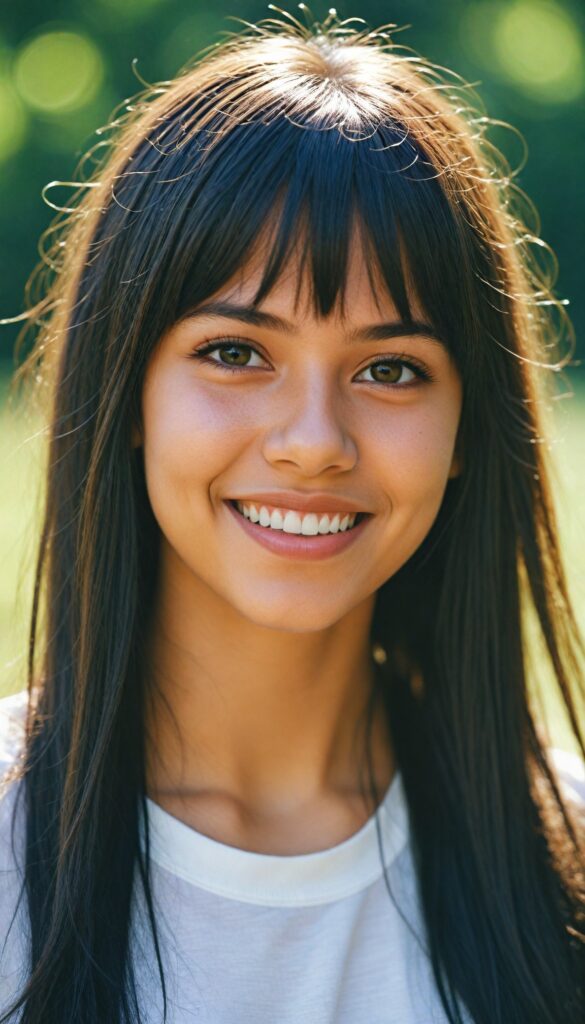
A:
64,66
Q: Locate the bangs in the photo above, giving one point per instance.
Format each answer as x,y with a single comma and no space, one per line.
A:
282,189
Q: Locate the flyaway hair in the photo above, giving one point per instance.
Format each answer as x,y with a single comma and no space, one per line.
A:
285,139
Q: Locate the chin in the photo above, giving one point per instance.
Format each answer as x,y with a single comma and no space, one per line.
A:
290,615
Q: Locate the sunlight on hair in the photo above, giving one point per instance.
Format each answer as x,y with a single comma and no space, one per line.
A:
323,154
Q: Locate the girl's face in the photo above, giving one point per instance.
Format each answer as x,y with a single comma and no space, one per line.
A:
294,403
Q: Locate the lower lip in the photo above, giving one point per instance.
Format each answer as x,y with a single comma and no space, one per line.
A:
298,545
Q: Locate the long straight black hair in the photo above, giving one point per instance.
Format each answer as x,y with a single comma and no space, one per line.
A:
306,132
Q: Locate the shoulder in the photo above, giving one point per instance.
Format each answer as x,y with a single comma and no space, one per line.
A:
12,734
566,848
13,711
569,770
14,925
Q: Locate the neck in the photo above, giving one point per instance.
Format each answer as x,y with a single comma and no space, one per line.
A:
264,717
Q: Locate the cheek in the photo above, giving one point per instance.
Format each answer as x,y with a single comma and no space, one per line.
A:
413,450
412,459
190,437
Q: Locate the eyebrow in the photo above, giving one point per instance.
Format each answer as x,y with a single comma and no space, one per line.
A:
258,318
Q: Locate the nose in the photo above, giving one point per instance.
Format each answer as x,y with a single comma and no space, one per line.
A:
309,432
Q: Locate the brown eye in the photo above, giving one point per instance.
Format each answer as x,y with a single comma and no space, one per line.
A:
387,373
234,355
231,355
401,373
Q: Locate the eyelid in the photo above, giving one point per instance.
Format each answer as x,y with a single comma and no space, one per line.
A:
218,343
422,372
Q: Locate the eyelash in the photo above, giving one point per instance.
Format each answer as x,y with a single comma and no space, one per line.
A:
422,372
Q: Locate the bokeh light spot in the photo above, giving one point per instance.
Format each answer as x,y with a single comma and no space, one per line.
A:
13,121
58,71
539,47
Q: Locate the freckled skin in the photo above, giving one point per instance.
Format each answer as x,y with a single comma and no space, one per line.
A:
265,660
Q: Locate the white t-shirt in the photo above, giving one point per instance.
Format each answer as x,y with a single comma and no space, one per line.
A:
251,938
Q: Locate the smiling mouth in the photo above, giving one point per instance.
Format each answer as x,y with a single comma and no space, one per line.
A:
289,521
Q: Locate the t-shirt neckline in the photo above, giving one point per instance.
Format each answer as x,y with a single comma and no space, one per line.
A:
275,879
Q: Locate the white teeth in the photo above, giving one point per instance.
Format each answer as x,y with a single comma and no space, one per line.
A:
276,520
334,524
310,525
291,521
324,524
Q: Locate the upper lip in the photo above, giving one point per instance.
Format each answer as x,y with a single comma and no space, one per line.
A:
317,501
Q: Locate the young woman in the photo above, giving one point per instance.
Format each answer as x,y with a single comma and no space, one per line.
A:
278,759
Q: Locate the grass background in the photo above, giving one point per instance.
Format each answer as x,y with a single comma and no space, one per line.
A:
21,460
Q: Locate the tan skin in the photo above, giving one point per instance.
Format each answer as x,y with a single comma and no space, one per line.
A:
264,661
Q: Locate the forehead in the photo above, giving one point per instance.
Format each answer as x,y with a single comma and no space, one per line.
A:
364,296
